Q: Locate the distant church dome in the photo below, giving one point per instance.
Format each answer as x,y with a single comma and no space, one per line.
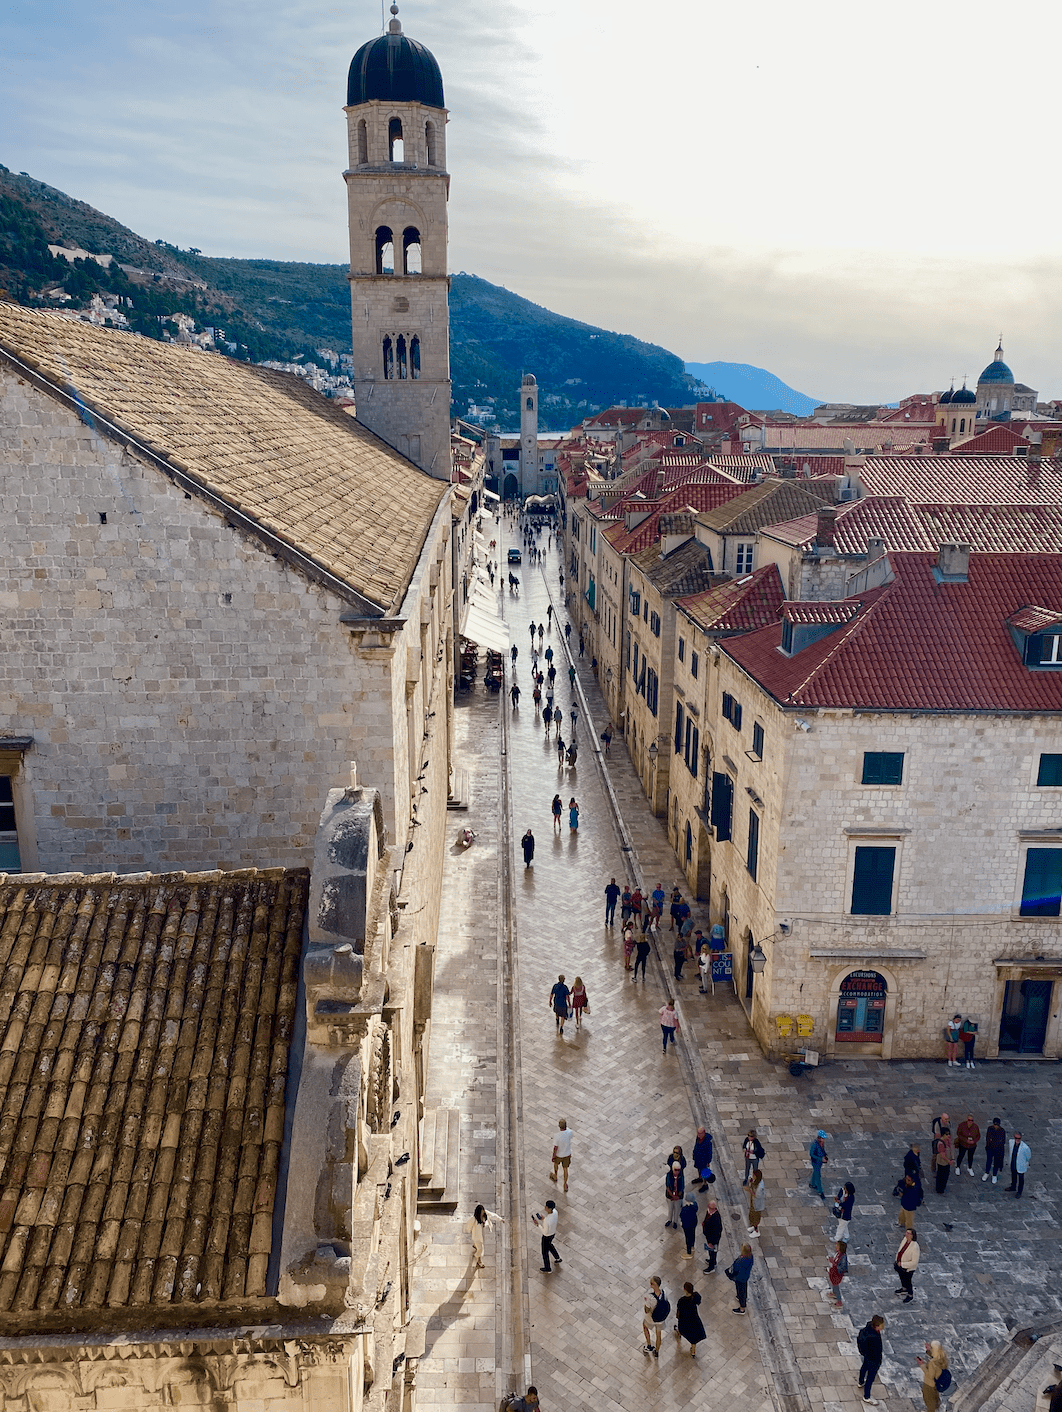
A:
964,394
528,380
948,396
394,69
997,370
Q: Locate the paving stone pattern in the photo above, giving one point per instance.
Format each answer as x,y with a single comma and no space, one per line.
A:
990,1264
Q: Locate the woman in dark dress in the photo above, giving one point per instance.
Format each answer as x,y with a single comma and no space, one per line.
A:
689,1326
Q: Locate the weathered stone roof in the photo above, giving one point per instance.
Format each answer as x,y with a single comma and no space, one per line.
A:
262,441
144,1033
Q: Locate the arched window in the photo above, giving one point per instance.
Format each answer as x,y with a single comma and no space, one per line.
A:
414,357
530,404
689,844
388,358
395,146
953,426
962,426
385,251
363,142
411,251
429,143
402,371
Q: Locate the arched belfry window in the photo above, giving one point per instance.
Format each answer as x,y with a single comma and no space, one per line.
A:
414,357
388,358
395,146
363,142
385,251
411,258
530,404
401,359
429,143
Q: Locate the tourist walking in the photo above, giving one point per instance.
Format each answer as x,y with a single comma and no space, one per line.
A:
527,843
606,736
573,815
943,1155
547,1225
952,1035
739,1272
704,967
818,1155
968,1036
612,893
514,692
656,1308
912,1163
868,1342
636,906
477,1224
995,1145
702,1156
757,1202
753,1152
562,1149
906,1263
531,630
712,1230
836,1269
967,1136
934,1366
547,717
559,1003
514,653
689,1326
674,1193
580,1001
628,946
910,1200
528,1403
1020,1155
843,1206
557,808
642,947
688,1222
669,1021
680,953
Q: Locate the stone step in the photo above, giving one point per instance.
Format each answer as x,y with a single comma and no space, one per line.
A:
442,1191
427,1145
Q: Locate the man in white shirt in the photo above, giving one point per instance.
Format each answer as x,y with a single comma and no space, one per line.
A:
547,1224
1020,1156
562,1151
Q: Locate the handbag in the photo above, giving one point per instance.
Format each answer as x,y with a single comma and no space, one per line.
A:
729,1272
836,1210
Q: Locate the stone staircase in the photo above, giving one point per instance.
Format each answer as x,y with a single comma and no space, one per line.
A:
439,1178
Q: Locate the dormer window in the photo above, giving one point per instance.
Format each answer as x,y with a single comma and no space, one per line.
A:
806,623
1037,634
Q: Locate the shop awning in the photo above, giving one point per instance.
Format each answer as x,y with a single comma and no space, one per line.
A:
489,494
485,629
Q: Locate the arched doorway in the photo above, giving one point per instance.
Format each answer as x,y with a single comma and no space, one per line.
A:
511,490
750,974
861,1008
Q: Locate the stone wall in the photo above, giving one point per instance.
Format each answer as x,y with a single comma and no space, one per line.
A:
191,698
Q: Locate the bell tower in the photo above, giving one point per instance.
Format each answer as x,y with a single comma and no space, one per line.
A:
397,189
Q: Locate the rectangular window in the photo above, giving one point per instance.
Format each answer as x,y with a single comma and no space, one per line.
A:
627,651
735,715
652,690
883,767
1050,772
635,671
744,559
10,859
722,805
645,611
872,882
1051,652
695,663
680,725
692,751
1041,893
682,649
728,704
654,624
753,859
757,741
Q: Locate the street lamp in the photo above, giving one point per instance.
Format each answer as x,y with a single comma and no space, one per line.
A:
654,751
757,958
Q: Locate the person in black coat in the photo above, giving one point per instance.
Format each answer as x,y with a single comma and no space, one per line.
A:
689,1324
712,1229
868,1341
527,843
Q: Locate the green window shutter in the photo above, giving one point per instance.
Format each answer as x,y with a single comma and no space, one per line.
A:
1041,893
872,882
1050,772
753,857
883,767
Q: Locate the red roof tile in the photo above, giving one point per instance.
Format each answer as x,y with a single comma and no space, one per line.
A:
817,612
685,497
919,645
740,605
996,439
964,480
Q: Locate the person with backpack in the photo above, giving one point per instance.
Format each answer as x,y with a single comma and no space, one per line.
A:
712,1230
836,1269
674,1194
843,1205
868,1342
657,1307
739,1272
818,1155
943,1153
936,1377
688,1222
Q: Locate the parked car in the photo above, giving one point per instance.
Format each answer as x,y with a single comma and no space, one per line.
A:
514,556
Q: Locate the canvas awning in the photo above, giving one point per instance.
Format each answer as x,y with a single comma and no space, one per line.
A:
485,629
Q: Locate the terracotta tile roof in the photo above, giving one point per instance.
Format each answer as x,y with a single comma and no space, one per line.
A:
864,436
261,440
890,518
819,613
964,480
991,529
745,467
1035,619
685,497
739,605
996,439
916,645
702,473
145,1028
685,570
763,504
811,465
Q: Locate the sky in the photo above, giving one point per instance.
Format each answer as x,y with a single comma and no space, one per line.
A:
851,198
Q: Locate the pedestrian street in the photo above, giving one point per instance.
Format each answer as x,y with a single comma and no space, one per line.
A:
990,1265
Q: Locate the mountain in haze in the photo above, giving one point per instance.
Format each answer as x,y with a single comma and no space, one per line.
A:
299,314
754,388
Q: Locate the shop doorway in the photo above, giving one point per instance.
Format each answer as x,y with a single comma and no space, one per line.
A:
861,1008
1026,1010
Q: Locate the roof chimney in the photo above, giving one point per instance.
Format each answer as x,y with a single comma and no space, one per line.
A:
825,527
875,550
953,563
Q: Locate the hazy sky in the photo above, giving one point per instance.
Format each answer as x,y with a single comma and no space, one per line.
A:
850,197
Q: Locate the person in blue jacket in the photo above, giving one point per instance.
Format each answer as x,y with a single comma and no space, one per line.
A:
817,1153
702,1156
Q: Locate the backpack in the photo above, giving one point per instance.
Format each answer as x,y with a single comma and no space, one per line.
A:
943,1382
863,1340
662,1309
